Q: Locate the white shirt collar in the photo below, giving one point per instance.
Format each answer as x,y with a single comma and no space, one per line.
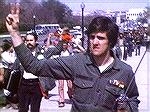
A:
103,67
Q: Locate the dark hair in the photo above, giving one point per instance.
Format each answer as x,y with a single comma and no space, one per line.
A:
34,34
7,44
104,24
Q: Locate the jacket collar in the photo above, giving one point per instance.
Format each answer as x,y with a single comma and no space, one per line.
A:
115,65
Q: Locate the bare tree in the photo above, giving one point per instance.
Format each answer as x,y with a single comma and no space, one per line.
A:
3,13
28,10
61,13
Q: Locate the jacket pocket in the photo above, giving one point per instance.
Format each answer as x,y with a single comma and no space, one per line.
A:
110,95
83,83
83,89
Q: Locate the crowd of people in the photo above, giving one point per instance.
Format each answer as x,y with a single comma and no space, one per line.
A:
97,78
132,42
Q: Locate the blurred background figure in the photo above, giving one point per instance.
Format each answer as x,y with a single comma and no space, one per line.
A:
67,50
29,92
8,58
61,102
1,70
138,44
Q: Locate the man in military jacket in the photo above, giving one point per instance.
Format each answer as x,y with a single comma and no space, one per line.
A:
98,77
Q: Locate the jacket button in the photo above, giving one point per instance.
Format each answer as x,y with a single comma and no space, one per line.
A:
98,91
83,84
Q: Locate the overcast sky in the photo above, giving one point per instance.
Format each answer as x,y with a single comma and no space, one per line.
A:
113,5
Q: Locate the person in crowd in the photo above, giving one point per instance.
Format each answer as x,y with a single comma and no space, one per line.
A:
129,41
77,45
101,81
138,43
125,47
61,101
1,70
46,82
117,50
52,42
29,92
47,43
8,58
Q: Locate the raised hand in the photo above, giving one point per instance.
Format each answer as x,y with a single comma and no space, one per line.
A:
12,20
12,24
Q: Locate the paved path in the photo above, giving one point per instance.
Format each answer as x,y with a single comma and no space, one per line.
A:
142,78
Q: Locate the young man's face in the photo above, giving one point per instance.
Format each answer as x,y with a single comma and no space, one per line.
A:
99,43
30,41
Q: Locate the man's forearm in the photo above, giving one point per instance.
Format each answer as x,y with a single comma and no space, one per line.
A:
16,38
